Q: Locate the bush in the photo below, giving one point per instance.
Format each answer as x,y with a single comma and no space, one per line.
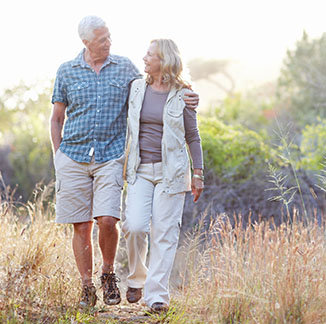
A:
252,110
233,152
313,145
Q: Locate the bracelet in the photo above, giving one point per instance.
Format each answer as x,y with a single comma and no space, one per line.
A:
201,177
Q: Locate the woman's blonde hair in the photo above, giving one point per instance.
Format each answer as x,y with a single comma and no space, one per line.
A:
171,64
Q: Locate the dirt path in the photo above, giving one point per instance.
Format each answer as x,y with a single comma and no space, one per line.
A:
125,313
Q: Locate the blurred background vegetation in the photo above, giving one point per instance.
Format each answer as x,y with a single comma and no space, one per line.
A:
280,123
25,149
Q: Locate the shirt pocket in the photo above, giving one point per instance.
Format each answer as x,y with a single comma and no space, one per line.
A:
78,92
118,83
116,91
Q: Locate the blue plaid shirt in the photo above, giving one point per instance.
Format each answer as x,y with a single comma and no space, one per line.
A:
96,107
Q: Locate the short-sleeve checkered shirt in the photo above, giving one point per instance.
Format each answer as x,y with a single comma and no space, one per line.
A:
96,107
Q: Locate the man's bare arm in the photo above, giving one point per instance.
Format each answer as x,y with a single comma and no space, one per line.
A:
57,121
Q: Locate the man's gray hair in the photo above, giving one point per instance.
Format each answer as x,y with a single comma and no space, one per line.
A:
87,25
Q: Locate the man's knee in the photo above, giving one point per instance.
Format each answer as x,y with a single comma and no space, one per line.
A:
83,229
107,223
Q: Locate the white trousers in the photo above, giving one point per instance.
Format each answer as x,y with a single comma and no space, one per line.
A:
150,210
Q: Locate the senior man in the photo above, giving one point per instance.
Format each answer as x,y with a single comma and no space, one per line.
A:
90,106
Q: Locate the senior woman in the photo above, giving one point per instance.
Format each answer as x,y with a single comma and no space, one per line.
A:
158,172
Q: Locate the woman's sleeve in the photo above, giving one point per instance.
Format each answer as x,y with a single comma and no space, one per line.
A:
193,138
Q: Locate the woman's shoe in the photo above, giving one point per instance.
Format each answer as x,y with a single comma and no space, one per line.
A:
133,294
159,307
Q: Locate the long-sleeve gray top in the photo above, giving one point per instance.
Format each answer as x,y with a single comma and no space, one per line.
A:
151,129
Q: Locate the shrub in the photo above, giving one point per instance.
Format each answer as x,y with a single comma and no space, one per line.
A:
233,152
252,110
313,145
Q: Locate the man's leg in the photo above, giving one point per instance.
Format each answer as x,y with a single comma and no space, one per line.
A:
108,241
107,187
83,250
74,190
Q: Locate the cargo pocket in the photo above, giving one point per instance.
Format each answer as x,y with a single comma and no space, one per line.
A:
119,180
55,158
57,186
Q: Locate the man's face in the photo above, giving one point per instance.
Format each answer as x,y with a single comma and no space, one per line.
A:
100,45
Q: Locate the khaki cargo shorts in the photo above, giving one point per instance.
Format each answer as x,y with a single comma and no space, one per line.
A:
85,191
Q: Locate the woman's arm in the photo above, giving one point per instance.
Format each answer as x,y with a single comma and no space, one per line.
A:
194,144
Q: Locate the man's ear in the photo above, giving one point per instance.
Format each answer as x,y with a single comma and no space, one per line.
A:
86,42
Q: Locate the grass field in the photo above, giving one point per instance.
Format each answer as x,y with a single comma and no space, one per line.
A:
258,274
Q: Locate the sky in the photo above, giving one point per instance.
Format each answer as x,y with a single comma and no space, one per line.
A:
254,35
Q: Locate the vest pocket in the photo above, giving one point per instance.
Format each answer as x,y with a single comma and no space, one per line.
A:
175,112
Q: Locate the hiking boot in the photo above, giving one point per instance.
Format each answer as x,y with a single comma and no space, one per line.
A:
159,308
111,292
88,297
133,294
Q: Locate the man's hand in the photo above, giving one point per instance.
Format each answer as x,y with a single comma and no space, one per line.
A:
191,99
57,121
197,184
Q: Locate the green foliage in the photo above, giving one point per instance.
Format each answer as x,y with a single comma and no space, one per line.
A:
301,85
283,193
313,145
233,152
249,111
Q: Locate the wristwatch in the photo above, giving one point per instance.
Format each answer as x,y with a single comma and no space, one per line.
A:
201,177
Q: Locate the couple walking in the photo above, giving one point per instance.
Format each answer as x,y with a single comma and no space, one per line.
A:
93,96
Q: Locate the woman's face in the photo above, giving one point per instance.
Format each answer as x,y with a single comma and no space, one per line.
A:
152,61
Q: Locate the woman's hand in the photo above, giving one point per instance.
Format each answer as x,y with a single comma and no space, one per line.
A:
197,184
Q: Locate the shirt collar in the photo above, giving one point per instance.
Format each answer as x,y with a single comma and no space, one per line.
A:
79,60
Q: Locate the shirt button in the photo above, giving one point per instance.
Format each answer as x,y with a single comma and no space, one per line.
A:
98,110
95,140
99,97
96,125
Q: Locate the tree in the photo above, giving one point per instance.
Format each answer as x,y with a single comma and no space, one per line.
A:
201,69
302,83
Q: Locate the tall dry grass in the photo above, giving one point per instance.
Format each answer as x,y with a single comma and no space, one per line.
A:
258,274
38,280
